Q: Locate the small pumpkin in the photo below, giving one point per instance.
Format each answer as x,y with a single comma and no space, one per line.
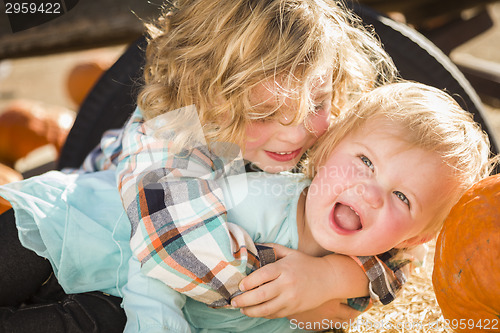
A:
26,125
7,175
466,276
83,76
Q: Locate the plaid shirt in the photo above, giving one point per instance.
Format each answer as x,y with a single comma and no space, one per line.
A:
175,205
387,272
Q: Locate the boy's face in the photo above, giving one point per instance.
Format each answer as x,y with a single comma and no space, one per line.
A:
376,191
275,147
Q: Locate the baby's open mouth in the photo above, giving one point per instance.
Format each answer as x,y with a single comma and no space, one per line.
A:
346,218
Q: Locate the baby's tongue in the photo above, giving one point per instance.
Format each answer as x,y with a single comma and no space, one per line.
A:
346,218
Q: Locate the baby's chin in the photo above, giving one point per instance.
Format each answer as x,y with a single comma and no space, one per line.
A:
356,249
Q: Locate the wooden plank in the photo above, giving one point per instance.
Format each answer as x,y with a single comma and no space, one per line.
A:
483,75
459,31
89,24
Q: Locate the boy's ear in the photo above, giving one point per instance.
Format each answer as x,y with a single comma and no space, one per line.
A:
414,241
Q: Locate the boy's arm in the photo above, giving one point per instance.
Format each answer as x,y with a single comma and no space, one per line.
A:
383,282
389,271
176,208
298,282
271,295
104,155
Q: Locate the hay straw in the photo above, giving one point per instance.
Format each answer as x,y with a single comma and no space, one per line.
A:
414,310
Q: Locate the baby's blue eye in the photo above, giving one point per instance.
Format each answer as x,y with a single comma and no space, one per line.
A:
402,197
367,162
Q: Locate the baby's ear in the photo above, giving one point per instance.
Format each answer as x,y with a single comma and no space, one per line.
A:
414,241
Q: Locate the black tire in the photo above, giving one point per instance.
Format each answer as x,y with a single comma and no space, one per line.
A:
113,98
418,59
108,105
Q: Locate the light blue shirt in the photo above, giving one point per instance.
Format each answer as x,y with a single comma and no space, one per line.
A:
79,224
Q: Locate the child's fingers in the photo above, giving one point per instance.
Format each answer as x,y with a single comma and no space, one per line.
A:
259,277
269,310
280,250
255,296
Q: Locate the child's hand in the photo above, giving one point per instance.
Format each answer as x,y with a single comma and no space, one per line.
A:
295,283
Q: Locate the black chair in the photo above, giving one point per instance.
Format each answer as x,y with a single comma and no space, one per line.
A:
112,99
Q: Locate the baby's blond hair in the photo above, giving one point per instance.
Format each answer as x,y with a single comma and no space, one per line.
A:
430,119
212,53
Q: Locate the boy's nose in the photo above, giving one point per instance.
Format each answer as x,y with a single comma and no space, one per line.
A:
294,134
373,195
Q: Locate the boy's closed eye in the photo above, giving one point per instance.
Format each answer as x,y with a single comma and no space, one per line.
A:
318,107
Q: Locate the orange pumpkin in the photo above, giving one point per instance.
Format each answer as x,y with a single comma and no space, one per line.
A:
27,125
83,76
7,175
466,274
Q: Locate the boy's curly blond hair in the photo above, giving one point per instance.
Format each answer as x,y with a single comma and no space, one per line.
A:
212,53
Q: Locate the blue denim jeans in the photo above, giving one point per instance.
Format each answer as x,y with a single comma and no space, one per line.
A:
31,299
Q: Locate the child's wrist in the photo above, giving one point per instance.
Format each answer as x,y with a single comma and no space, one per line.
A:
347,279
